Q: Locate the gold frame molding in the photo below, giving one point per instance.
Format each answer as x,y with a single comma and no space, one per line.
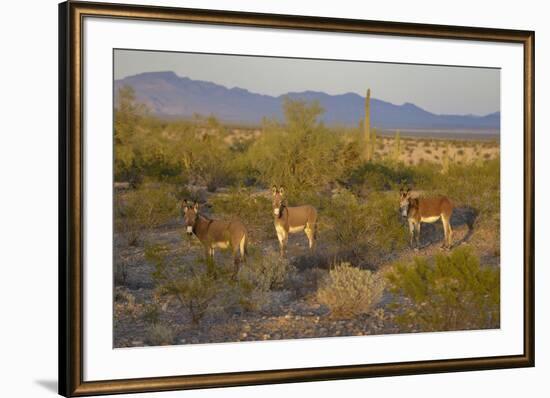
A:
71,15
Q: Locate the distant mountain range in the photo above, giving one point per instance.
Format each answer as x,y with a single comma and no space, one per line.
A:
169,95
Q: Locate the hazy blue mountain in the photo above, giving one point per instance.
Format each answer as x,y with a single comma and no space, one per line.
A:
169,95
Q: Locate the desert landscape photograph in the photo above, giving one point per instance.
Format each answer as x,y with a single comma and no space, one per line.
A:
264,198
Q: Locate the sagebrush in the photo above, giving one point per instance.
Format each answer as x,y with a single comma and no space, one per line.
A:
349,291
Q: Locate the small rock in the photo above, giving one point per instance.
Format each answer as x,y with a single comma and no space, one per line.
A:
266,337
137,343
244,335
182,341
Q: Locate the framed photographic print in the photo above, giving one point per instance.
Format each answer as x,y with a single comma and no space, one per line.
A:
252,199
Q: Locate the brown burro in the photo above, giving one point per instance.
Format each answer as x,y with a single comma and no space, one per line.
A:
216,234
289,220
428,210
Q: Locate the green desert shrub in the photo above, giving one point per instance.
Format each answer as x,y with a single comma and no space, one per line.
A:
151,313
175,152
194,286
369,229
195,293
378,177
349,291
240,203
301,153
267,270
203,287
138,211
450,292
262,273
476,185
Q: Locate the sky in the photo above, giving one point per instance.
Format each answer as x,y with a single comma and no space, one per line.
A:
438,89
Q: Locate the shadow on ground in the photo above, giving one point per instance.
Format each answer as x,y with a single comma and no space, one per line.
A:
50,385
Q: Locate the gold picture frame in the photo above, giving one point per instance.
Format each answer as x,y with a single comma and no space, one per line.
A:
71,238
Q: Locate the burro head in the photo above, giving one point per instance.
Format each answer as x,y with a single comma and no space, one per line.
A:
190,215
278,200
404,196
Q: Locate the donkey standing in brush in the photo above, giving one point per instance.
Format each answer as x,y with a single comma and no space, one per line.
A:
428,210
289,220
216,234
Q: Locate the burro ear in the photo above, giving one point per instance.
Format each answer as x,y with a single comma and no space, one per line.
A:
196,206
274,189
184,206
282,190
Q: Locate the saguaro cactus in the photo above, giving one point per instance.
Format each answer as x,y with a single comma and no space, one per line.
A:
366,126
397,146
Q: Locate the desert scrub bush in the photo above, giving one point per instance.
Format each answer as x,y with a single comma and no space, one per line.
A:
476,185
300,153
205,157
159,334
145,146
203,288
368,230
262,273
349,291
138,211
242,204
452,292
378,177
174,151
268,270
194,286
151,313
196,293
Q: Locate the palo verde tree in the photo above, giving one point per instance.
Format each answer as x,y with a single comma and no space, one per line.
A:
299,153
366,126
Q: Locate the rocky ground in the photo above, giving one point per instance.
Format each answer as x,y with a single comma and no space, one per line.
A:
289,312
